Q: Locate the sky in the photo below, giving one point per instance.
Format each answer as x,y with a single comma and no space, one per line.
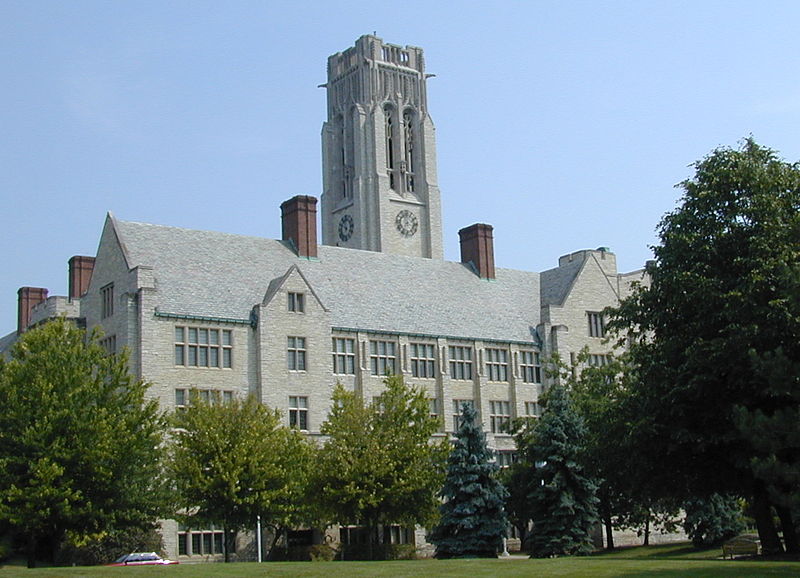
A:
564,124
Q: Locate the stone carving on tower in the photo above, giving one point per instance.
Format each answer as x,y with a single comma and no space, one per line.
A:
379,153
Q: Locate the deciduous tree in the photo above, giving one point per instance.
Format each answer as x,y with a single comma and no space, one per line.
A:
232,462
79,445
716,335
379,465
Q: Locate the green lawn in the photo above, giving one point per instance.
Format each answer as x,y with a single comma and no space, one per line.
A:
657,561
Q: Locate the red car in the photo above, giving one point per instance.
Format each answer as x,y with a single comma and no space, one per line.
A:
141,559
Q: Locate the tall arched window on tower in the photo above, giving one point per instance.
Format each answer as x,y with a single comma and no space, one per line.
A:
408,149
340,129
350,131
390,128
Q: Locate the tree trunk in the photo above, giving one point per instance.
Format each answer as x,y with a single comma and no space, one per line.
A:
371,534
770,542
609,531
226,541
789,531
647,530
276,535
30,552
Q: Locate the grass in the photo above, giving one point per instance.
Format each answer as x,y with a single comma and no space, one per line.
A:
653,561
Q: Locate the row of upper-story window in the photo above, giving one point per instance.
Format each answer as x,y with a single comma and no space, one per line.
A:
423,360
501,412
210,347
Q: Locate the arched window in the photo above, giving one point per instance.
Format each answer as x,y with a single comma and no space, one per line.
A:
390,128
408,148
340,129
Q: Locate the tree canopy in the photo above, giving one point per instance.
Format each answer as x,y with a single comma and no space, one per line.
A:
473,520
232,462
79,446
716,335
379,465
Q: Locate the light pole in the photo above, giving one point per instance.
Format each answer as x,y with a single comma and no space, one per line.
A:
258,535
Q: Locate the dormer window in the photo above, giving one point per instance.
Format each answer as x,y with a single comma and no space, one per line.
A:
297,302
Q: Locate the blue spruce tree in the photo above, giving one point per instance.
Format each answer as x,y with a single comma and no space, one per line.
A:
473,521
561,498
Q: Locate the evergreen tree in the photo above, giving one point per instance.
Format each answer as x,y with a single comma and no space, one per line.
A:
473,521
562,498
712,520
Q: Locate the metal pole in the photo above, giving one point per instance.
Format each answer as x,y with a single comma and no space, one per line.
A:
258,535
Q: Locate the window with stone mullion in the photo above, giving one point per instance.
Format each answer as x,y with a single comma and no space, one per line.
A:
383,357
423,362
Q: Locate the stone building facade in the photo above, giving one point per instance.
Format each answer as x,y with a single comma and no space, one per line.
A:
287,319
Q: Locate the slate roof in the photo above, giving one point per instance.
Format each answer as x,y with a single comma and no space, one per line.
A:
223,275
556,283
7,341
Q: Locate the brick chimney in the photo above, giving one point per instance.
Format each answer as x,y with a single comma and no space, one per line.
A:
80,273
28,298
477,249
299,224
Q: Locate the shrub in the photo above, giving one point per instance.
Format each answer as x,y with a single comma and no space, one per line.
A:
321,553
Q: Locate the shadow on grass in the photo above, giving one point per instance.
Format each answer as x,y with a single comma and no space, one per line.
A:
683,550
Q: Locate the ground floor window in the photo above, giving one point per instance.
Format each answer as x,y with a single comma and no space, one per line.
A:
505,458
205,542
394,534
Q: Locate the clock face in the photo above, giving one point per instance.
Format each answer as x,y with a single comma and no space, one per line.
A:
406,223
346,228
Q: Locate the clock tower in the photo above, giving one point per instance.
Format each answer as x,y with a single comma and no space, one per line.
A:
379,153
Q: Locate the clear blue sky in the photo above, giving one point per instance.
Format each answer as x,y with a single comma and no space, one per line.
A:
565,125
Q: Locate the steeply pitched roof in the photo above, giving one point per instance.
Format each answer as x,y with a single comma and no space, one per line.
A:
556,283
7,342
222,275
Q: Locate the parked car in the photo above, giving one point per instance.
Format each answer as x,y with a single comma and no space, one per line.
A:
141,559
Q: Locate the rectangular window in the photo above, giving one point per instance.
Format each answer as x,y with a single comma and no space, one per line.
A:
500,416
497,364
383,357
107,301
109,344
597,327
296,353
344,356
533,409
180,398
206,542
460,362
530,367
433,408
505,458
457,404
423,362
597,360
183,396
297,302
298,412
203,347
